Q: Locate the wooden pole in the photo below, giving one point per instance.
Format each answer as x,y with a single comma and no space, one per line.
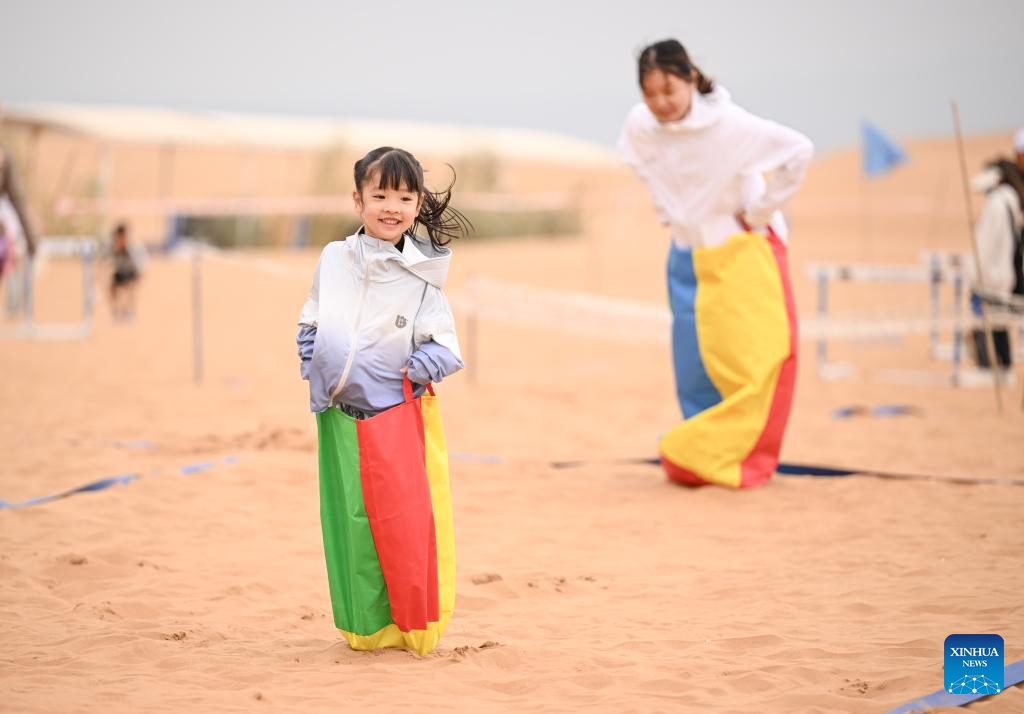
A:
990,344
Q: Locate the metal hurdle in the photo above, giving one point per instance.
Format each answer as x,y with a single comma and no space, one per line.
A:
936,268
20,290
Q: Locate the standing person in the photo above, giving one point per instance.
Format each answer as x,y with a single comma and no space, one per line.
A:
375,331
125,276
999,232
10,188
13,208
704,161
7,251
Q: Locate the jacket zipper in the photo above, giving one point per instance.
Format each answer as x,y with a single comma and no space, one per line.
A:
355,333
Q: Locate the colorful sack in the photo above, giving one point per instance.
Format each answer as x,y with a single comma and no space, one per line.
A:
385,510
734,339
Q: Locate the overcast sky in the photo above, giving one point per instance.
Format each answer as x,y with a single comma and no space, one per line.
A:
566,66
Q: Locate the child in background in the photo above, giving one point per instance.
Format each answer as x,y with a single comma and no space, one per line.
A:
125,275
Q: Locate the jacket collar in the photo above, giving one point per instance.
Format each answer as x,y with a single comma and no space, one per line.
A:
705,110
432,268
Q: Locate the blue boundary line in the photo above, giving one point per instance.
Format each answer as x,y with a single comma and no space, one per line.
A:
1013,674
109,481
791,469
878,411
783,469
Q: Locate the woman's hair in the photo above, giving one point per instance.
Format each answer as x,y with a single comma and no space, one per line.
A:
1011,175
671,57
399,170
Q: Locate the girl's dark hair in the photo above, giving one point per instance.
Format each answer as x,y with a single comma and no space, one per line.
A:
398,170
671,57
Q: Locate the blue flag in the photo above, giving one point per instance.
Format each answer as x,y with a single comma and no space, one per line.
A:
880,152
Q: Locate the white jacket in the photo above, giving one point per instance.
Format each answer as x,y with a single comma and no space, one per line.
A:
996,232
705,168
372,307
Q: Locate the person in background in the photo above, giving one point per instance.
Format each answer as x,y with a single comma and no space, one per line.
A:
10,188
998,280
7,251
125,276
17,232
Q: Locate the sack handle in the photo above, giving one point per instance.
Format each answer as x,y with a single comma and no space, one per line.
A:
746,227
407,388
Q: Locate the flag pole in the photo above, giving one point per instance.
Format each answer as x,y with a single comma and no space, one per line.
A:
880,155
865,209
990,342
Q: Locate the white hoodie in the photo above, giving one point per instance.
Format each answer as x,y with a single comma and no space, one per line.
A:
996,233
708,166
372,307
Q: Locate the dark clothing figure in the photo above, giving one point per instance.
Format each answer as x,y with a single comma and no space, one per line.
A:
11,189
124,277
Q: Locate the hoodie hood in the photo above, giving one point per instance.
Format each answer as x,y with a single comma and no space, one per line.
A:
705,110
436,261
428,262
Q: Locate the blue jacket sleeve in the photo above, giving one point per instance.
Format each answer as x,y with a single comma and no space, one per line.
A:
432,362
305,339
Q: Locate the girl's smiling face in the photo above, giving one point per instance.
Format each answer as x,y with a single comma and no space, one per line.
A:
666,95
387,213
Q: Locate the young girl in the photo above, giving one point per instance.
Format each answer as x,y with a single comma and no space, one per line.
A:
375,331
704,161
376,311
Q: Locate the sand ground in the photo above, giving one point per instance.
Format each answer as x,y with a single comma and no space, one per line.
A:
201,586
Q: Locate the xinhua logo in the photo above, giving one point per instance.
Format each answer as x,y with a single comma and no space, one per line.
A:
974,664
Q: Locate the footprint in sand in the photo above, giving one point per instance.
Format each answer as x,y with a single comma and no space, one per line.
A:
560,582
463,651
484,578
104,611
855,686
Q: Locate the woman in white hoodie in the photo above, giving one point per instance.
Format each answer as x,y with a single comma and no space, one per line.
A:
718,176
999,279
